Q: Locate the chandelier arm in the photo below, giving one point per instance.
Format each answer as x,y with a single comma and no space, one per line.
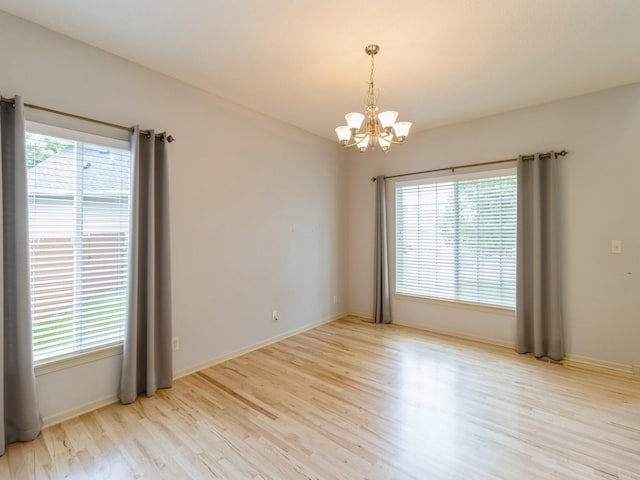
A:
347,145
390,140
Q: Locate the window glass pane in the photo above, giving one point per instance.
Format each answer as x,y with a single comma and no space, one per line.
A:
78,241
456,240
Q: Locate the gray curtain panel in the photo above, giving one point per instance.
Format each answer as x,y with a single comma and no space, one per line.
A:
147,362
538,313
20,418
381,298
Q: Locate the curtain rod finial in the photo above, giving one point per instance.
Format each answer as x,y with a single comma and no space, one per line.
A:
373,179
562,153
170,139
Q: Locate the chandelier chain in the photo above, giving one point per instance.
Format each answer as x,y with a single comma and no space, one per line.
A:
370,94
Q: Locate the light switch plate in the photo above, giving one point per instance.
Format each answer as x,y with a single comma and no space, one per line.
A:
616,246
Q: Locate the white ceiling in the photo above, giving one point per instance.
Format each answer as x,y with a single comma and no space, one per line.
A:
303,61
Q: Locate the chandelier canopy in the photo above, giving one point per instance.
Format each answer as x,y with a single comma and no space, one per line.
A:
381,129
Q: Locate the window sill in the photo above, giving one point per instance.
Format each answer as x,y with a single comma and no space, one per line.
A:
75,359
457,304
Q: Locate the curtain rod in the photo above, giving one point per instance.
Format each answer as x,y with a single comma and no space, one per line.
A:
86,119
561,153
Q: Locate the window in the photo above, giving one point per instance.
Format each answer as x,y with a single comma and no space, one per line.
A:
456,238
78,188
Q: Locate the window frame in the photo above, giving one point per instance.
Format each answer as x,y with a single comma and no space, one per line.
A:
78,133
442,177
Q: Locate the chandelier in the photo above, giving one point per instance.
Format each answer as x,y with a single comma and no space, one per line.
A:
380,129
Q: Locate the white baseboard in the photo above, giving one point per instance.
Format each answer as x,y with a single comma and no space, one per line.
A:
463,336
79,410
588,363
570,360
449,333
111,399
577,361
214,361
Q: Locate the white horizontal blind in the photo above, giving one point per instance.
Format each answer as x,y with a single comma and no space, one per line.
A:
78,241
456,239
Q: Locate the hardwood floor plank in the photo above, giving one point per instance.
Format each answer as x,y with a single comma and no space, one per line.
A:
351,400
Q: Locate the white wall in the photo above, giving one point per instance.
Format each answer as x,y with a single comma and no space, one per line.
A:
600,200
257,215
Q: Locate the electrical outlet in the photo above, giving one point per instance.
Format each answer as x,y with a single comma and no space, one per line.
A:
616,246
274,316
175,343
335,299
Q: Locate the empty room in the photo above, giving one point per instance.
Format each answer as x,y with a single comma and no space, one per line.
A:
320,240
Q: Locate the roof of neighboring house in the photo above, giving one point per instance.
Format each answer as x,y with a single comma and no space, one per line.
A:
103,171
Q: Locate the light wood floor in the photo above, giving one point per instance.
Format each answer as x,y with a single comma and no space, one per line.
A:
351,400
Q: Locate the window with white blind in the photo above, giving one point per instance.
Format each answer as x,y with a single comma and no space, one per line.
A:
78,187
456,238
